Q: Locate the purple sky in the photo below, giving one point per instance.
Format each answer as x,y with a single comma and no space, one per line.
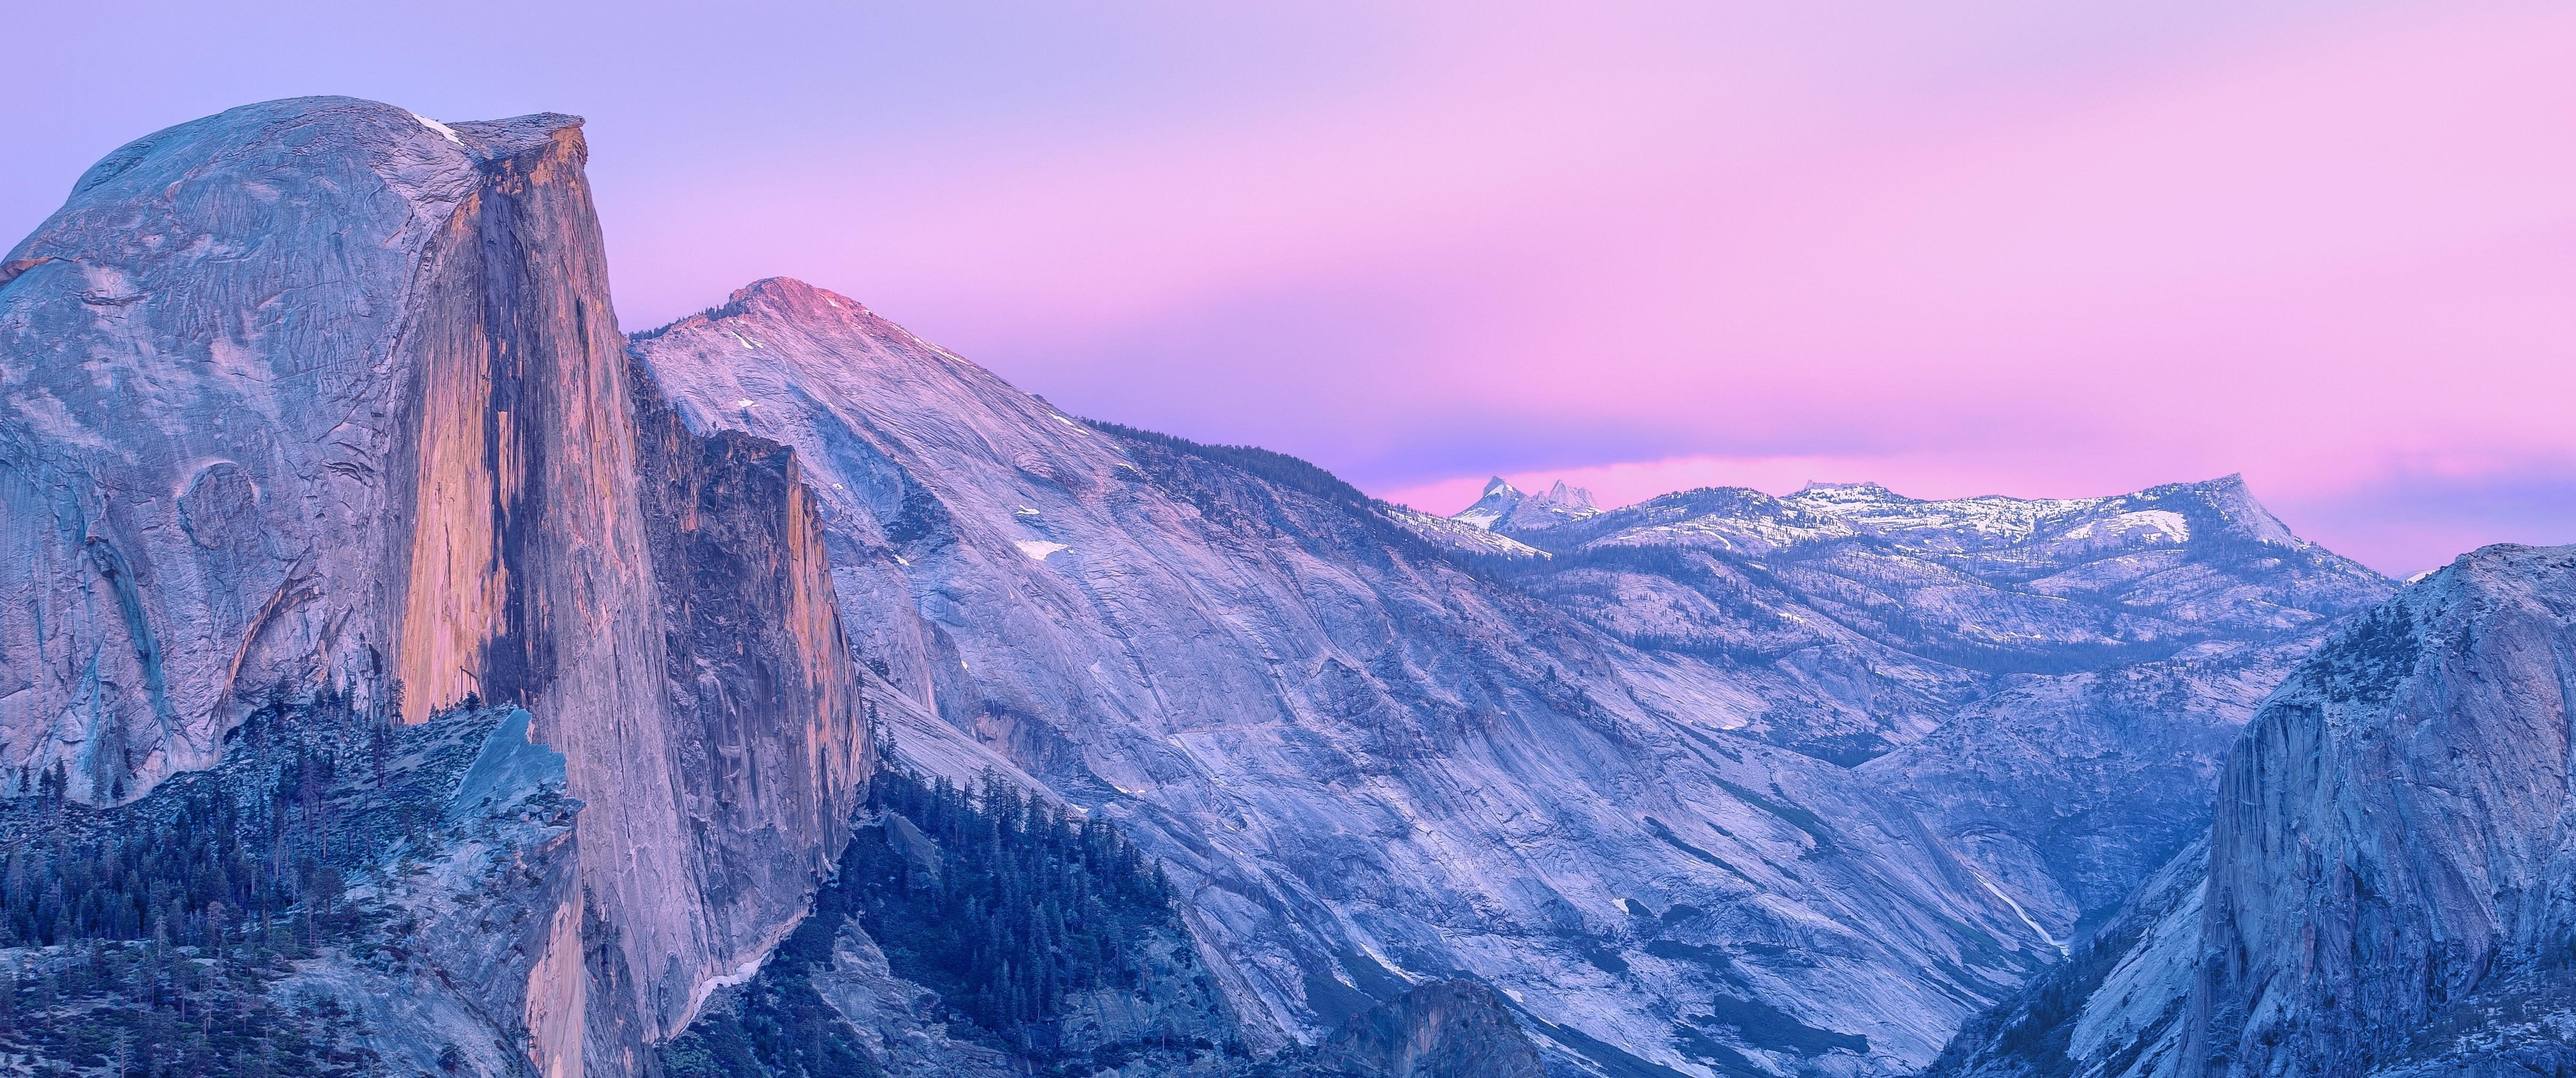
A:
2026,248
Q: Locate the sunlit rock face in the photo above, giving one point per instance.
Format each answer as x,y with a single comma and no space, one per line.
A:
2385,884
1379,749
319,391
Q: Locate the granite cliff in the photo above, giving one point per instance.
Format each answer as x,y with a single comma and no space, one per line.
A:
2384,887
321,393
315,416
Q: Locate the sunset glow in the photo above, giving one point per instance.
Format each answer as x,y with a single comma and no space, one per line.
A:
2024,248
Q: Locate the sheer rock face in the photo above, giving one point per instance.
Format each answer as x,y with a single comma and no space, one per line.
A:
1362,763
2386,883
318,389
2393,846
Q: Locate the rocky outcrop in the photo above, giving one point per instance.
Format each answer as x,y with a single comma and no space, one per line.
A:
1445,1029
475,912
2390,867
335,897
2386,879
322,392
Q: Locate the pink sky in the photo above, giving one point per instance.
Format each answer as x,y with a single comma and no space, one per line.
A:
1985,247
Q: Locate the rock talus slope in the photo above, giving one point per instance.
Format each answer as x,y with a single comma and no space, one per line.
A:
1445,1029
319,391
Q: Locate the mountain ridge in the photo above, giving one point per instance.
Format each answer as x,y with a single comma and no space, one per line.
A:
322,400
1046,505
1716,783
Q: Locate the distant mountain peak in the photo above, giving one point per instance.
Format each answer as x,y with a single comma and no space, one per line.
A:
1863,493
1568,497
1504,507
2234,502
785,297
790,294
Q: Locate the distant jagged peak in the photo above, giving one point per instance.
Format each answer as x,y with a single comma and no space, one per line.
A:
1571,499
1506,508
1497,502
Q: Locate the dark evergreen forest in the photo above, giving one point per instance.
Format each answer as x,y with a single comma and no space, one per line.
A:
1003,905
155,931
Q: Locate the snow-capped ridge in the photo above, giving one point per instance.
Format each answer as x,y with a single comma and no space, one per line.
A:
1506,508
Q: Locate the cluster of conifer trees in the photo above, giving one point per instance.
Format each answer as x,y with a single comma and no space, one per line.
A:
253,852
779,1025
1265,464
144,1010
170,920
1011,907
1028,905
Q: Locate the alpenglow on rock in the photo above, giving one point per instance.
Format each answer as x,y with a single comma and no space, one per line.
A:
317,410
322,394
